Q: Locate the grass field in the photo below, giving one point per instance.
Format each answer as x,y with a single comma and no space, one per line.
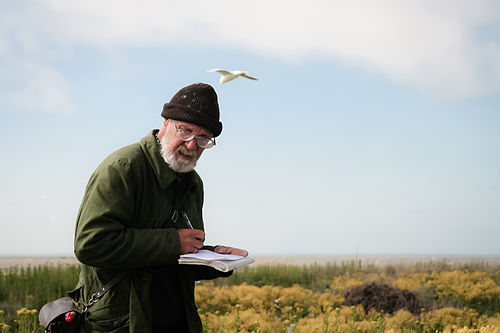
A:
323,296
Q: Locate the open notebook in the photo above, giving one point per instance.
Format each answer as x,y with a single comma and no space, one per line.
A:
221,262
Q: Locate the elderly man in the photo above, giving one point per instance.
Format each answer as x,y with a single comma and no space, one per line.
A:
142,208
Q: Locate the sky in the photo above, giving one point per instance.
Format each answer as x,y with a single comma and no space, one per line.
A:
373,127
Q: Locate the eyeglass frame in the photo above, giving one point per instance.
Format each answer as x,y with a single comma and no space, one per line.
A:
192,136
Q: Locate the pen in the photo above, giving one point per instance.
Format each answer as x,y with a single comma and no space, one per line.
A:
187,220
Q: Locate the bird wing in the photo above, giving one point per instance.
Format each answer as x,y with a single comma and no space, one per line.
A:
222,71
245,74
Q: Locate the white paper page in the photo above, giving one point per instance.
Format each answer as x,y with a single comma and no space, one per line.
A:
209,255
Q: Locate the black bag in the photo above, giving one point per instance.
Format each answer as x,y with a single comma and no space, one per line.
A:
62,315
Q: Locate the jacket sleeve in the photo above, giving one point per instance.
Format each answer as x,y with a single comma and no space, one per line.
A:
105,235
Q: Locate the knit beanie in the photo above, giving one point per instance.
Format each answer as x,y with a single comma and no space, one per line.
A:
196,104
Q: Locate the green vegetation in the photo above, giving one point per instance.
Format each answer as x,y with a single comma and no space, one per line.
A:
440,284
32,287
314,277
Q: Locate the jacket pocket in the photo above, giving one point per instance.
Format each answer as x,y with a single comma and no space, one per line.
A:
111,318
111,325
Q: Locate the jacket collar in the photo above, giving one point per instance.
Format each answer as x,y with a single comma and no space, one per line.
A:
164,175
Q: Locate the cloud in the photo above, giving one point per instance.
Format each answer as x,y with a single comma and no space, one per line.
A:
29,82
431,45
33,87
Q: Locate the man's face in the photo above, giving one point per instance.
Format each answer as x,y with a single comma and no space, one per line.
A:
180,155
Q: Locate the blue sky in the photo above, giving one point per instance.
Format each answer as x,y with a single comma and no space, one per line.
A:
373,127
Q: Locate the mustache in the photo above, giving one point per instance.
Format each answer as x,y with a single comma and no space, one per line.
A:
183,149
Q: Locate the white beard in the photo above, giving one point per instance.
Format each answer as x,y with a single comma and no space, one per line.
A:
173,160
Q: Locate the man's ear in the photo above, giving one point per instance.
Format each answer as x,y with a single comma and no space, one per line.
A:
163,128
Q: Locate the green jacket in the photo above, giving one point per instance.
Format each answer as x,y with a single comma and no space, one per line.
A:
124,224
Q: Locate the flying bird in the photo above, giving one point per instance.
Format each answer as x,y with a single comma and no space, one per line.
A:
227,76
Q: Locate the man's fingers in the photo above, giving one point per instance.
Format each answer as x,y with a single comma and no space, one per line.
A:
221,249
198,234
198,244
191,240
231,250
239,252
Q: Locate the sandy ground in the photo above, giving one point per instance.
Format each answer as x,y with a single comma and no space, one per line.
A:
378,261
6,262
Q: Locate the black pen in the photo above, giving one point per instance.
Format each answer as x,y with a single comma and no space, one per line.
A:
187,220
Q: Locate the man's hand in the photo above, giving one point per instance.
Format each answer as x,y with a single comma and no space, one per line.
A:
230,250
191,240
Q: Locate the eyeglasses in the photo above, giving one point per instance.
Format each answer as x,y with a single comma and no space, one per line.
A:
201,141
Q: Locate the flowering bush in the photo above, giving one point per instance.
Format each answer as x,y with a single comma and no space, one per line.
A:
457,300
247,308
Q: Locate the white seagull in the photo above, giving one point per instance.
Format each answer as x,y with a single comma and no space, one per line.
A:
227,76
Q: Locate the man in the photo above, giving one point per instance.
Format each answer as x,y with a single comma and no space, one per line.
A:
142,208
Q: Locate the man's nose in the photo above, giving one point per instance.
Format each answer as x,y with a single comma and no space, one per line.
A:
191,144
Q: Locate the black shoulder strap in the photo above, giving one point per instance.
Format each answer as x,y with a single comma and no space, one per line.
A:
104,289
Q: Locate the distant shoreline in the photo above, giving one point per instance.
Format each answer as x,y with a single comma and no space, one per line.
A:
296,260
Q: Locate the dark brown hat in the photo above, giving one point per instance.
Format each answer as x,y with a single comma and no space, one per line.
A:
196,104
